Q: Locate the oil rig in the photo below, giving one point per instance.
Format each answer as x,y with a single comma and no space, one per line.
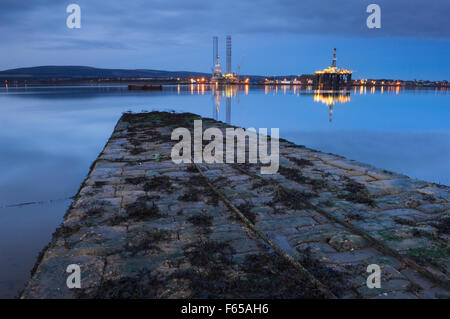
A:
217,76
333,77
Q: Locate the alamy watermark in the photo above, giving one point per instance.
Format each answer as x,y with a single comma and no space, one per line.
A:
374,279
74,279
213,151
73,21
374,19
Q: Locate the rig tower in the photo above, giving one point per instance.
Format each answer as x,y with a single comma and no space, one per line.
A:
333,64
228,54
333,77
215,51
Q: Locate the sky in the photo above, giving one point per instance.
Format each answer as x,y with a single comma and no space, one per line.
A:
270,37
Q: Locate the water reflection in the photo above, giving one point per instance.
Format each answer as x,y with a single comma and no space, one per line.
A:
330,98
228,92
327,97
50,135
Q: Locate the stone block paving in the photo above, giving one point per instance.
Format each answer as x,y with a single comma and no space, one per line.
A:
142,226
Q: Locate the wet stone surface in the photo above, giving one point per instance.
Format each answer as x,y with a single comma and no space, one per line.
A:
142,226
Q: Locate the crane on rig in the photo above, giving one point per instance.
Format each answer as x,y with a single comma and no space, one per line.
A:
239,66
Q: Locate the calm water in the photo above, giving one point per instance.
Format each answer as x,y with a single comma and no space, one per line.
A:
49,136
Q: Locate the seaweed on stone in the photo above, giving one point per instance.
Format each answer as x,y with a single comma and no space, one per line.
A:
404,221
208,253
429,198
269,275
155,118
210,262
66,231
147,240
207,194
259,184
144,285
328,203
356,192
295,175
200,220
137,151
158,183
191,168
91,216
301,161
335,280
142,210
191,195
291,198
443,226
151,136
264,275
354,216
99,184
136,180
212,197
419,233
245,209
413,288
318,183
433,255
135,142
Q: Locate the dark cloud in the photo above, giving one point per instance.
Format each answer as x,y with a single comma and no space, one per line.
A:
31,27
409,18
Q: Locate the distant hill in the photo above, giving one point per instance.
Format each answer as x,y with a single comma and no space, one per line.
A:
83,72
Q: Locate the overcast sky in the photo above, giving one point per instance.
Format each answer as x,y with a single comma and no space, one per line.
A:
269,36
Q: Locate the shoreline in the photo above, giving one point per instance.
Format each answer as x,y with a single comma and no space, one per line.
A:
404,85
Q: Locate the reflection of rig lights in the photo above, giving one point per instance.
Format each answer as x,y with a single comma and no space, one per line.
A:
230,91
331,98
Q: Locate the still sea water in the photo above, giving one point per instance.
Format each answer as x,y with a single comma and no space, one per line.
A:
49,136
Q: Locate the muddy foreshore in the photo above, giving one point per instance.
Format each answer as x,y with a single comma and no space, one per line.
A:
142,226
